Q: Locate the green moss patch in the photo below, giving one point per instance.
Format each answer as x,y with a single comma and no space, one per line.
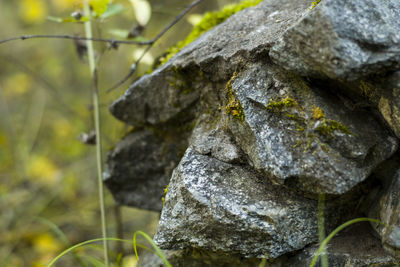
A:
310,123
286,102
209,21
233,107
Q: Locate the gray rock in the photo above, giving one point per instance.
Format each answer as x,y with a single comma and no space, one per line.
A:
222,207
138,169
177,85
216,142
342,40
197,258
304,136
385,206
353,247
389,101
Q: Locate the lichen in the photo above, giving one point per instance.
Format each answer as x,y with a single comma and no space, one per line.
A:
209,21
233,107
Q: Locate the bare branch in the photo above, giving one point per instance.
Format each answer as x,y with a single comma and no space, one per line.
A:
74,37
172,23
105,40
113,42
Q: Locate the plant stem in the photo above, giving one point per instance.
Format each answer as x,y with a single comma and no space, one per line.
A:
93,70
337,230
321,228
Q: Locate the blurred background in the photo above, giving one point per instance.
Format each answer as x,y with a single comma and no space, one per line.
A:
48,187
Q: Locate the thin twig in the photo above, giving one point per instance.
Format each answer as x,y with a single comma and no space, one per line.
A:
105,40
131,70
150,45
183,13
74,37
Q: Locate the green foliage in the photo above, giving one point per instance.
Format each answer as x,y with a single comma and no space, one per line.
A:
158,251
209,21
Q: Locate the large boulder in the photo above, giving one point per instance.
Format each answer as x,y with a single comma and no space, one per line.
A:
342,40
287,103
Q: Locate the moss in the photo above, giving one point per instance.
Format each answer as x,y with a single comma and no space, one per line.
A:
329,126
233,107
286,102
180,81
304,122
314,4
209,21
368,90
165,191
318,113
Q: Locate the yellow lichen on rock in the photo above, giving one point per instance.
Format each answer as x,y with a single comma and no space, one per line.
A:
233,107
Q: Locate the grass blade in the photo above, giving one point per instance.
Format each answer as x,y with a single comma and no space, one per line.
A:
93,241
157,249
337,230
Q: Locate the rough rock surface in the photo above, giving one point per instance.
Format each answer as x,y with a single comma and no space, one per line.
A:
287,103
354,247
383,203
176,85
197,258
222,207
138,167
343,40
289,126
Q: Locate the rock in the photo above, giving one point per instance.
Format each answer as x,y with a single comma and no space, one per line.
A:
342,40
138,169
216,142
197,258
303,135
389,101
222,207
353,247
177,85
383,203
274,93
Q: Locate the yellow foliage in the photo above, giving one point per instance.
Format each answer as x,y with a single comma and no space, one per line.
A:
46,243
62,129
3,140
17,84
43,169
47,247
62,5
33,11
99,6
